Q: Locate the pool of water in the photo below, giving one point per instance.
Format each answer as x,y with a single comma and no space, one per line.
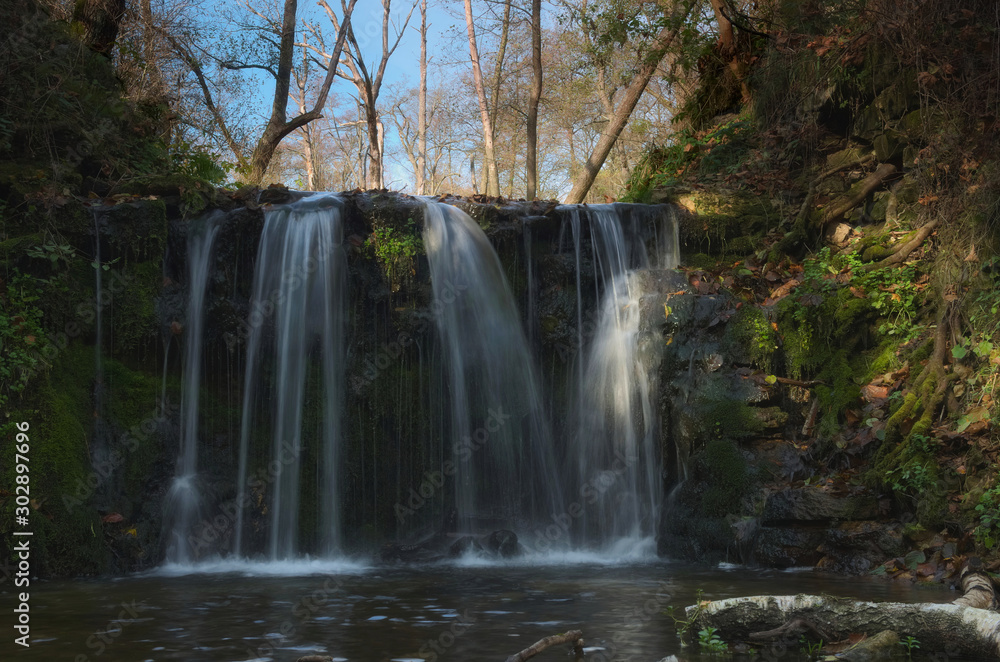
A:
465,610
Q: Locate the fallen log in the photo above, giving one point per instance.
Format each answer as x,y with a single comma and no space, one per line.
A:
954,629
574,637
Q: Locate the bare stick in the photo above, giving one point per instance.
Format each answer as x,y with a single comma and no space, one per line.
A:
573,636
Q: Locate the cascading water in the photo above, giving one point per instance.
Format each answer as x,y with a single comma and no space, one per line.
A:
184,498
616,445
499,437
295,346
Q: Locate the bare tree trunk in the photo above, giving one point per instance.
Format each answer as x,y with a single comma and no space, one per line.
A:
498,66
422,112
628,103
278,126
531,159
492,177
369,84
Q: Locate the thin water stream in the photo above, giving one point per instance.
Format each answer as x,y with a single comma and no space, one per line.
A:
281,611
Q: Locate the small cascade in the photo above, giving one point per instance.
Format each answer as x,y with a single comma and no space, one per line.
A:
499,438
616,445
184,499
294,382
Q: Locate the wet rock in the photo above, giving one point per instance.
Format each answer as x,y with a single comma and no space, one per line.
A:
503,543
813,504
781,547
463,546
858,547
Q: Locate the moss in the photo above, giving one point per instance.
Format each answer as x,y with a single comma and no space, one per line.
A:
751,338
884,360
134,313
67,537
728,481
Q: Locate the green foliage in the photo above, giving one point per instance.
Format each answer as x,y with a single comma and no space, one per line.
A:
395,249
988,531
751,335
22,338
710,641
910,643
809,648
197,162
720,150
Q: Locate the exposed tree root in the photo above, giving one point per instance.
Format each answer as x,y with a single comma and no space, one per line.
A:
799,232
574,637
844,204
903,252
928,388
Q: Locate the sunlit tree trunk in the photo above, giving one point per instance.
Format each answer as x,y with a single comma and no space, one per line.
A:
531,165
422,112
492,177
585,179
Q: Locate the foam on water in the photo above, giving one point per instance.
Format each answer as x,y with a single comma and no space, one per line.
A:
300,567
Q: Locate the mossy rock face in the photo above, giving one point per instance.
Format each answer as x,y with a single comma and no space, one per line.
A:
714,220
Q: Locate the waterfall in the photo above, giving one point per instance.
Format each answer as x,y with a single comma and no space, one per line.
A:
615,448
499,438
184,498
295,376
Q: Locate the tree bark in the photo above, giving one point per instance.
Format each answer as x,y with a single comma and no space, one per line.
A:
278,126
955,629
609,136
369,84
571,637
492,177
845,204
421,168
531,158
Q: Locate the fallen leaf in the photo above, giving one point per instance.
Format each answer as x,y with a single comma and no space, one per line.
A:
112,518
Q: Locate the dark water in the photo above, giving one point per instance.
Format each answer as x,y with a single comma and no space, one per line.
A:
446,612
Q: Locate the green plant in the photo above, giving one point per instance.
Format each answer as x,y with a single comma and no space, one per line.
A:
910,643
710,641
53,252
395,249
988,531
809,648
22,340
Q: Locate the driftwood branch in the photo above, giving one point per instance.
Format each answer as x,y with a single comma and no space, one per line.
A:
574,637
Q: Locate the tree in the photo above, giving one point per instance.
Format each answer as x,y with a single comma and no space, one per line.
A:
531,158
659,47
278,124
369,84
492,177
421,165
